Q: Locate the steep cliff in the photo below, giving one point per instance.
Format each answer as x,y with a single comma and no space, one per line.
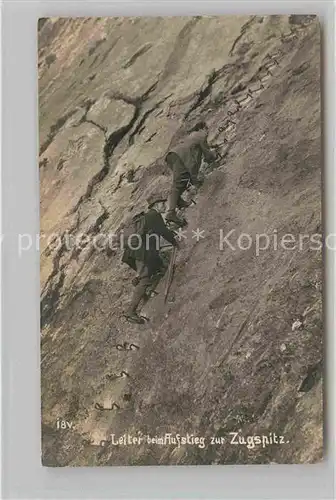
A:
238,347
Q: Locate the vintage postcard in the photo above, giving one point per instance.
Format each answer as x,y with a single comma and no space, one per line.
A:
180,240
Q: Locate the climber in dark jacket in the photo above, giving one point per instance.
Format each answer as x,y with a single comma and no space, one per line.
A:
146,260
185,160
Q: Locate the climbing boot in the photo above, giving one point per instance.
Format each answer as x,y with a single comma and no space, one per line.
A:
133,317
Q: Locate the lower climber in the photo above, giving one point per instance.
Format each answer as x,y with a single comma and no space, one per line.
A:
185,160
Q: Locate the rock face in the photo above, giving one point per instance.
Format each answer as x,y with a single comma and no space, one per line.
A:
222,356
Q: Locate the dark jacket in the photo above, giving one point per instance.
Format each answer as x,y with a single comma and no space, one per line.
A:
190,151
149,250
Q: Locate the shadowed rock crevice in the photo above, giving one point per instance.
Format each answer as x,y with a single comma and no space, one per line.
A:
50,299
57,257
141,125
114,139
243,30
206,88
111,143
108,51
314,375
138,54
103,129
